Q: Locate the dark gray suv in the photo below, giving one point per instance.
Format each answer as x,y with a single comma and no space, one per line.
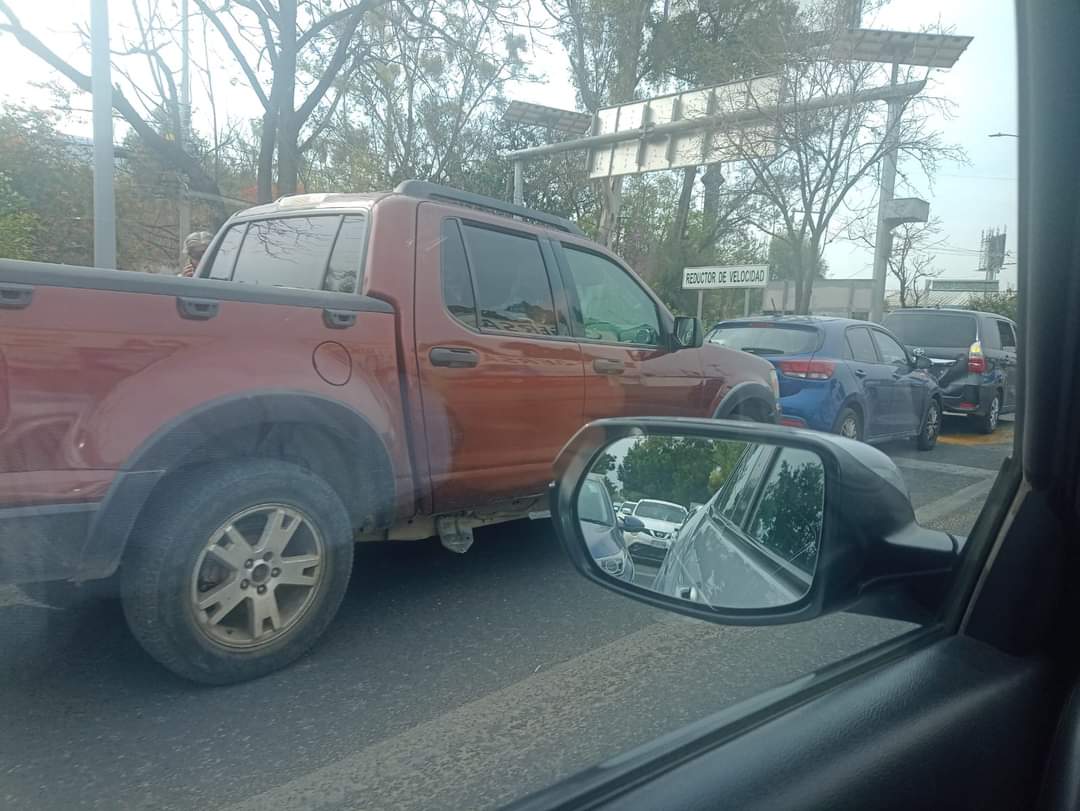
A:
972,355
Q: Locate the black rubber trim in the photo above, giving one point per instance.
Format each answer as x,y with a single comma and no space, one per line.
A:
42,543
43,274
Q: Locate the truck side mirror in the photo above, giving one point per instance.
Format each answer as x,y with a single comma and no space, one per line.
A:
687,333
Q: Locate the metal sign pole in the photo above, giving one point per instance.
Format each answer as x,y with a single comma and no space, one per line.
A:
883,238
746,303
700,302
104,159
519,184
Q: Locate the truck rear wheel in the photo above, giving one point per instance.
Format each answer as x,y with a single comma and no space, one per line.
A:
236,569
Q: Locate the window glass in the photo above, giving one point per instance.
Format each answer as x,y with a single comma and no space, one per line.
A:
593,504
515,295
945,330
740,487
767,339
660,511
343,273
457,287
788,517
1008,337
891,351
225,256
862,346
287,252
613,307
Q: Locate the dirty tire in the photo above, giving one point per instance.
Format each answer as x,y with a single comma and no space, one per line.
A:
163,565
848,424
931,427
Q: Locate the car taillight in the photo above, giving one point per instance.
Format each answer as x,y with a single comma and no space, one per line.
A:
976,358
808,369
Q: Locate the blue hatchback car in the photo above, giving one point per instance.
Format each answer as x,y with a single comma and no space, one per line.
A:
843,376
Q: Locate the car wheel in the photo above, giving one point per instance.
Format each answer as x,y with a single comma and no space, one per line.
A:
849,425
750,411
931,427
237,569
988,422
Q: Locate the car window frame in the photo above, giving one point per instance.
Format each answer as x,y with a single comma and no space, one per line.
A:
576,317
873,343
874,332
1012,329
561,319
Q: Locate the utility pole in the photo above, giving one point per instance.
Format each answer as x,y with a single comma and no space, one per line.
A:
184,202
104,158
883,238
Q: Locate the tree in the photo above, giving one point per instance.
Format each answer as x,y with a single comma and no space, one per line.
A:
19,226
820,136
1006,304
911,260
677,469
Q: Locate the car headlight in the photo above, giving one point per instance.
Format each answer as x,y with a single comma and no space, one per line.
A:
613,564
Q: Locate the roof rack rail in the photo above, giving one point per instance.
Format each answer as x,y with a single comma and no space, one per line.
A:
433,191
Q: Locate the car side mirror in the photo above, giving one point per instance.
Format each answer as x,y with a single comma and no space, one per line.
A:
923,362
793,524
687,333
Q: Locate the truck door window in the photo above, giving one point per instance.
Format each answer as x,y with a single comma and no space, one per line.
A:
614,308
891,351
457,286
511,281
225,257
343,272
862,345
288,252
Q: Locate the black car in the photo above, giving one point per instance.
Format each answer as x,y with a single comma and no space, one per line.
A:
972,355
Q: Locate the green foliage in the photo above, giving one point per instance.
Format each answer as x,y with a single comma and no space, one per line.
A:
677,469
18,225
1001,303
790,513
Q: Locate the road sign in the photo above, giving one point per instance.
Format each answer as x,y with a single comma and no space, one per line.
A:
708,144
726,278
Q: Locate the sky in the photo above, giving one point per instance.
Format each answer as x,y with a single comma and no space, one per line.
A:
967,198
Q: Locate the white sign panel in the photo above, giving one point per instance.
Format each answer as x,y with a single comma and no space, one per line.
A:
688,148
723,278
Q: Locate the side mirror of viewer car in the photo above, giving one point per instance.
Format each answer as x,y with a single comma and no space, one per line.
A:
793,524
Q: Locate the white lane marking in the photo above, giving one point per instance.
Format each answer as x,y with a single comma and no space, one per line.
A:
943,467
967,497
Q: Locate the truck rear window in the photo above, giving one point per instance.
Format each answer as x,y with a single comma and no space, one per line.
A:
767,339
311,253
952,330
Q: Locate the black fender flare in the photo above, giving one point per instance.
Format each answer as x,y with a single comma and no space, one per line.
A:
212,422
744,392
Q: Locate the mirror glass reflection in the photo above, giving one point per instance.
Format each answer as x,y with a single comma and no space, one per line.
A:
726,523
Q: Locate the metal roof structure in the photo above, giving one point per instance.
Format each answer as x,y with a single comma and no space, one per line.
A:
902,47
523,112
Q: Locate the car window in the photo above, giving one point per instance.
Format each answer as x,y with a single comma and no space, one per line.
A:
287,252
945,330
891,352
671,513
788,517
225,256
343,272
861,345
767,339
740,489
613,307
511,281
457,287
594,505
1006,334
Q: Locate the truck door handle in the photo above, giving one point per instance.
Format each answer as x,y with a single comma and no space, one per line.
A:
860,373
197,309
338,319
16,296
454,357
608,366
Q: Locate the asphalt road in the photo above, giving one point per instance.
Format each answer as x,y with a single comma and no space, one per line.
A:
445,682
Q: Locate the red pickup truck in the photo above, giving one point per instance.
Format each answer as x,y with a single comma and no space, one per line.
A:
344,367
